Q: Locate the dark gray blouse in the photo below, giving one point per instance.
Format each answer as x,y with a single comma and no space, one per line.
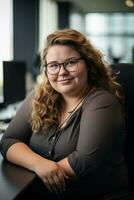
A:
93,140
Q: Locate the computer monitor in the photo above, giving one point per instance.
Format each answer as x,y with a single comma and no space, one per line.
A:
13,88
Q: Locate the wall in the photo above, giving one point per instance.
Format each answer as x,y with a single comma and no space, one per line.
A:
26,26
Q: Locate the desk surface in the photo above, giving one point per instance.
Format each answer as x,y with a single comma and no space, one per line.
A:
13,180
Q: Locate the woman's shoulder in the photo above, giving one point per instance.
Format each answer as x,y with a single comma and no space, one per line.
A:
29,97
26,104
100,93
101,97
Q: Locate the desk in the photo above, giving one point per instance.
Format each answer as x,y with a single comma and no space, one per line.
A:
14,180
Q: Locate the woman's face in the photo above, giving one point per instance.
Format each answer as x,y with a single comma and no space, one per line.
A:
67,82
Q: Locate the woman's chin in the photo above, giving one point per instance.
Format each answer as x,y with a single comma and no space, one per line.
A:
66,91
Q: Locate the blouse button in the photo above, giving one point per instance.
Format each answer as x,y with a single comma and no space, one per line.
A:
53,137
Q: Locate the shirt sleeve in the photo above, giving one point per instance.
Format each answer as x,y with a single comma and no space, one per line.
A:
100,134
19,128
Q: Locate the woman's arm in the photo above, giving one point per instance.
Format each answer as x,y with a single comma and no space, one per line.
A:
100,129
14,147
19,129
64,164
50,173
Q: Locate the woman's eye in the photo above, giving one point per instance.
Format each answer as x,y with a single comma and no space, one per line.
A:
53,66
71,62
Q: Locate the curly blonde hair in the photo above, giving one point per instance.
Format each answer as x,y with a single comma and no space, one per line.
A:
46,103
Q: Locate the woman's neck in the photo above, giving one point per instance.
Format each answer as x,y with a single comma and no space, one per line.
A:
69,106
69,102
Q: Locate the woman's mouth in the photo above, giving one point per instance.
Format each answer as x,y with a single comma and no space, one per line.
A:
67,80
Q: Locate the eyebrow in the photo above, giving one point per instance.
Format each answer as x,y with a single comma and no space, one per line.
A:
60,62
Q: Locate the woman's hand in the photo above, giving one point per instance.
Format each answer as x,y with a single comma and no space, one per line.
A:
52,175
50,172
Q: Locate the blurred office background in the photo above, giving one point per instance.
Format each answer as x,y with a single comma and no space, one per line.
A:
24,25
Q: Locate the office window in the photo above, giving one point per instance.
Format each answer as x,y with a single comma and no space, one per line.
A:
48,19
6,33
116,23
113,33
6,37
130,23
77,21
96,24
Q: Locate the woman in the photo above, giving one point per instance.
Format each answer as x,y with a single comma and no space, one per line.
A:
70,130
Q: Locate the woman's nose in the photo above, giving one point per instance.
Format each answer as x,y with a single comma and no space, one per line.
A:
62,70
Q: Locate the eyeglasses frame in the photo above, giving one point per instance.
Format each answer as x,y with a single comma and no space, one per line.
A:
63,64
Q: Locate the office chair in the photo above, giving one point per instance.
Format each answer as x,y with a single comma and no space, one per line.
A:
125,77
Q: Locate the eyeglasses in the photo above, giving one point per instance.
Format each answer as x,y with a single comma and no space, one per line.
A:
69,65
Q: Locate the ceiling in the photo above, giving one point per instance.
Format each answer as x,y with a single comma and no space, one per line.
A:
86,6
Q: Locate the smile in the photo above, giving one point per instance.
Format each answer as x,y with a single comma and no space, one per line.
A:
65,80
